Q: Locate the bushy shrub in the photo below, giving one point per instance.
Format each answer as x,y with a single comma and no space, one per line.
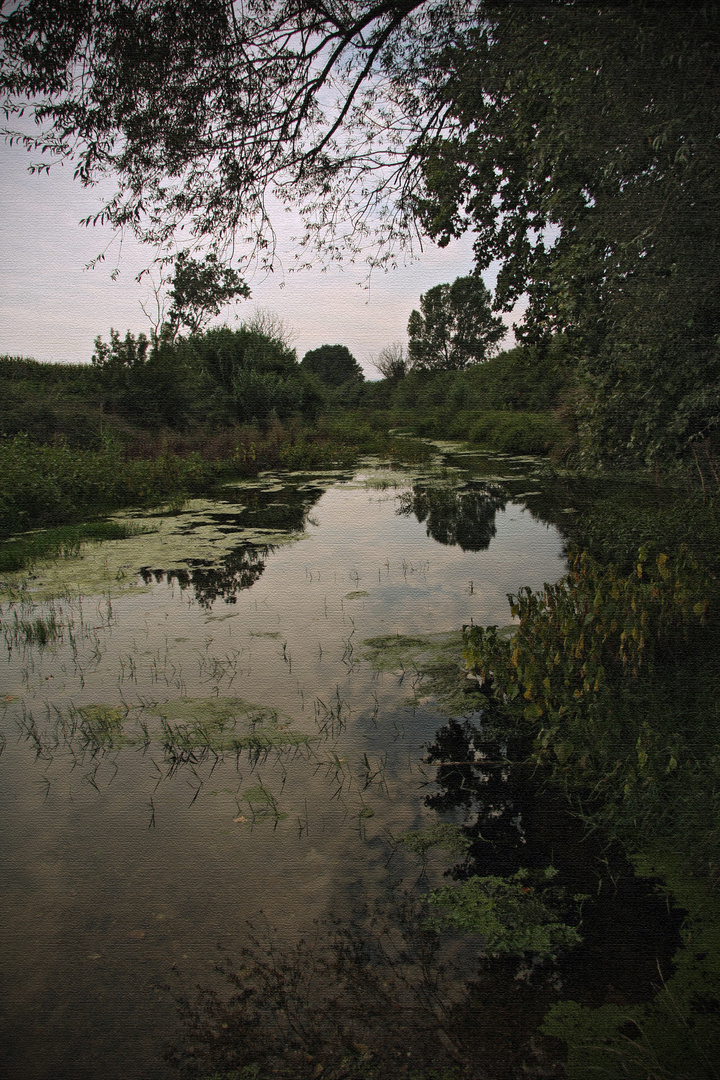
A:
597,673
44,485
519,433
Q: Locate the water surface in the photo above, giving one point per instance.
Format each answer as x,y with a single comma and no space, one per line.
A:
206,739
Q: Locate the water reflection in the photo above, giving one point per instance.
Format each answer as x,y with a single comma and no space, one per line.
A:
240,570
242,567
462,518
515,822
273,763
477,775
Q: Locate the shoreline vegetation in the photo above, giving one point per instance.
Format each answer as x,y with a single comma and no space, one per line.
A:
612,678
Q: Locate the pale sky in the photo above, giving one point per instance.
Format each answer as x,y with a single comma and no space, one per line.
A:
52,308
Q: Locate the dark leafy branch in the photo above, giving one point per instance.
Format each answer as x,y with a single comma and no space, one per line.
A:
202,109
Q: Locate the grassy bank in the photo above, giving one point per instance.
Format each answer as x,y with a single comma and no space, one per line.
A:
197,395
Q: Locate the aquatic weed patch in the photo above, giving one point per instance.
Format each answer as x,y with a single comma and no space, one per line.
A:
103,725
223,725
43,630
433,665
399,652
205,537
65,541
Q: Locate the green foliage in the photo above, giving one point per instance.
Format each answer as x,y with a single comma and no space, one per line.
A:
441,834
593,628
515,915
355,429
636,514
150,386
455,327
334,365
249,374
604,672
200,290
45,485
592,220
527,378
520,433
676,1033
48,400
305,453
511,403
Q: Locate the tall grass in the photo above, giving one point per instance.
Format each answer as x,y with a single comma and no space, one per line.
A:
54,484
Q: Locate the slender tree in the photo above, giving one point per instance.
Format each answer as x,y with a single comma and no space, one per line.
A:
200,290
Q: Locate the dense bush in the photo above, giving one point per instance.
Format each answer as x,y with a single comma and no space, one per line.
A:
519,433
597,673
46,485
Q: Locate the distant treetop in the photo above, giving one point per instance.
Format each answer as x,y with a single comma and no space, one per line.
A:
455,327
333,364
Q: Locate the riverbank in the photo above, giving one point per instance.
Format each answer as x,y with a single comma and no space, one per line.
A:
614,676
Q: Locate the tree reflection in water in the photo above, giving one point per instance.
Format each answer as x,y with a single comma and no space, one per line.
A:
516,820
245,564
465,518
382,995
476,776
240,570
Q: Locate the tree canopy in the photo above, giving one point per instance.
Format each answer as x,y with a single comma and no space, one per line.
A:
202,109
455,326
585,157
333,365
200,290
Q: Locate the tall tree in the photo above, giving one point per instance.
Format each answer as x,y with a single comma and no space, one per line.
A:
456,327
199,291
393,362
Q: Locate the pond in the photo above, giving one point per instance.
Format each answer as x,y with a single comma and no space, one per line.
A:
232,718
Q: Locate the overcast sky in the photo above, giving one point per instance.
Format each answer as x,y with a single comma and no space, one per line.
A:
53,308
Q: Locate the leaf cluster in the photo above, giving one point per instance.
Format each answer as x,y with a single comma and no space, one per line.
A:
600,674
591,629
516,915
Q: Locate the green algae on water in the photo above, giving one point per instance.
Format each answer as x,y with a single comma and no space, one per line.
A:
224,724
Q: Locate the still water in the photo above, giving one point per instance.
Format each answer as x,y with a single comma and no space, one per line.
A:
205,738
